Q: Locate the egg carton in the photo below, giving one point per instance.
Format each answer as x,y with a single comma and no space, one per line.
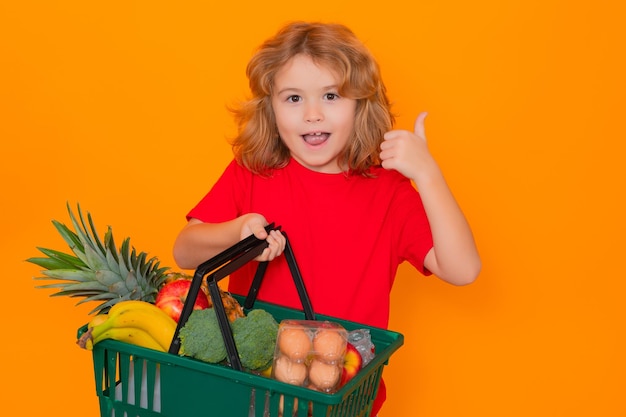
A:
310,353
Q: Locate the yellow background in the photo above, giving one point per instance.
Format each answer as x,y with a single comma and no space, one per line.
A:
120,106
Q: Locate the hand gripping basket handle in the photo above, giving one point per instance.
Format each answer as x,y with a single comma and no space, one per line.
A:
222,265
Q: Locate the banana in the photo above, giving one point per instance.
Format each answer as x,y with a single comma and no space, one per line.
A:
85,340
137,315
132,304
120,308
160,327
130,335
97,320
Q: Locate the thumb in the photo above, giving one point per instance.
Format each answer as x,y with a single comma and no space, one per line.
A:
419,125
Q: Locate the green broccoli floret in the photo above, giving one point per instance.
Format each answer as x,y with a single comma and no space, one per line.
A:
254,334
201,337
255,338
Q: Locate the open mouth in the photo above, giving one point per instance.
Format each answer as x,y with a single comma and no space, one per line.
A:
316,138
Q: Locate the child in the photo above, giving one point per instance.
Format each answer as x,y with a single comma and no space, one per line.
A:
316,154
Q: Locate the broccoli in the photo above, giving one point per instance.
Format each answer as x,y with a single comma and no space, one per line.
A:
255,338
201,338
254,334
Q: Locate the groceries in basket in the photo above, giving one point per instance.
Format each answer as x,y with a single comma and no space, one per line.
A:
135,322
172,296
361,341
254,335
141,310
314,354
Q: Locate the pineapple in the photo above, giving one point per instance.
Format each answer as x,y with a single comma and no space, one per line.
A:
98,271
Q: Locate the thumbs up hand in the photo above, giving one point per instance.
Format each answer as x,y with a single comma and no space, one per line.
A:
407,152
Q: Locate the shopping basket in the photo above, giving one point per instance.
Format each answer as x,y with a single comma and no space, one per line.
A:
132,381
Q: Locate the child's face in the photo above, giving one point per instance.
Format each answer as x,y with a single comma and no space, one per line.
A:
313,121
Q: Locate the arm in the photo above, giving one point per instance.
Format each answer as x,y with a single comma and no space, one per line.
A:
199,241
454,256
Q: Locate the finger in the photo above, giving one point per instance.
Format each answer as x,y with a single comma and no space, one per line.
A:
419,125
264,256
260,233
280,240
392,134
276,241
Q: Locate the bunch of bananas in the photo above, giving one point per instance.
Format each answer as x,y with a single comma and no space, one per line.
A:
135,322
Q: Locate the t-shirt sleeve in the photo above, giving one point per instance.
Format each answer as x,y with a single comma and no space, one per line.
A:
223,201
412,227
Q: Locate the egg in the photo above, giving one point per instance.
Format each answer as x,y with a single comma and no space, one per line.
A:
295,343
323,375
288,371
329,344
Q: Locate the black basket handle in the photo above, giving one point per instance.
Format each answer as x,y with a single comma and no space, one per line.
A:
222,265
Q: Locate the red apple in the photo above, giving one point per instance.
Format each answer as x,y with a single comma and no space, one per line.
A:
171,298
352,364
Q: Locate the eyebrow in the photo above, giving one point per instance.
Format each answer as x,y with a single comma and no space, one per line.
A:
299,90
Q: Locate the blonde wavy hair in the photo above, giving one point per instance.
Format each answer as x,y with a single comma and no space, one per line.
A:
258,146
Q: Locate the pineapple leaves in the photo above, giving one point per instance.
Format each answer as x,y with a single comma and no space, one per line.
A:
106,305
95,260
99,271
70,237
56,260
107,278
62,258
131,280
72,289
94,233
90,243
71,274
112,263
112,259
125,263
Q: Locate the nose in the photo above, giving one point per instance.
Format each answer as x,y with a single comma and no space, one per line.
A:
313,114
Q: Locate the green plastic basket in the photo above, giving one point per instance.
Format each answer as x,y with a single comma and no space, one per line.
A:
136,382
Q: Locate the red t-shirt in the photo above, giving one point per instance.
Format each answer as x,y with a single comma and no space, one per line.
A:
348,234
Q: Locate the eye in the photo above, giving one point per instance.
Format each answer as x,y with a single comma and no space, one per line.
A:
294,99
331,96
